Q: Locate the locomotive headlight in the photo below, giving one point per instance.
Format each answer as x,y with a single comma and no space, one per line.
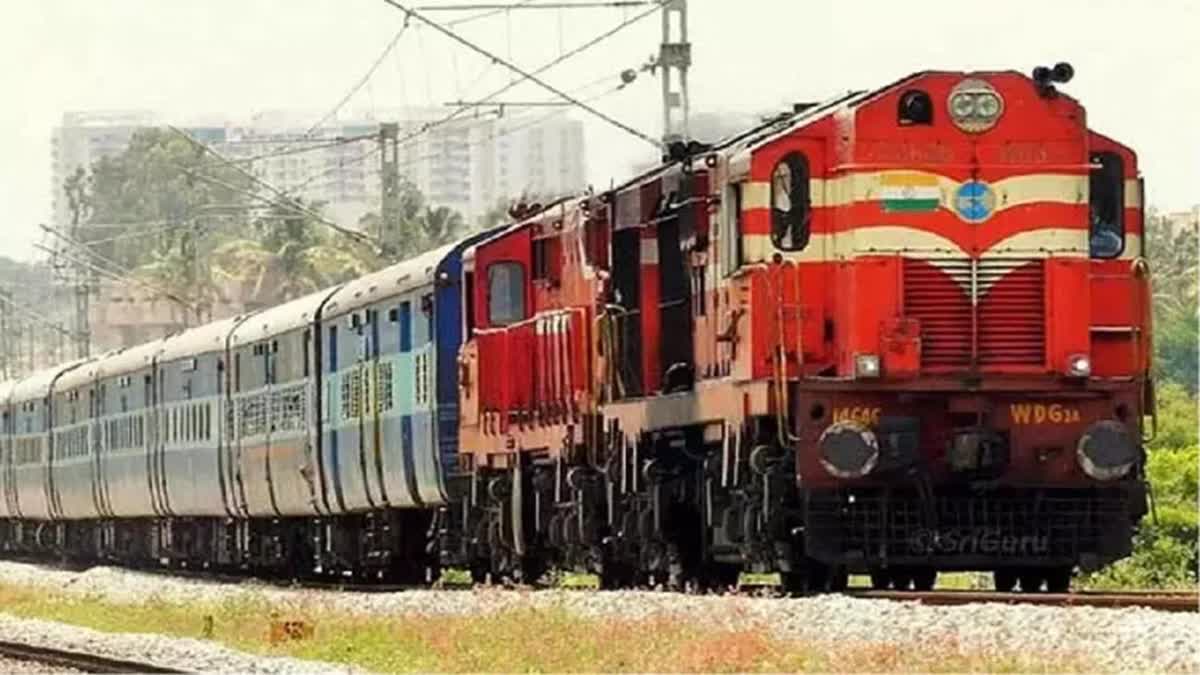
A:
1107,451
974,105
962,105
1079,365
848,450
987,106
866,365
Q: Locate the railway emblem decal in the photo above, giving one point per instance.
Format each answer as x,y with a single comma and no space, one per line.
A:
975,201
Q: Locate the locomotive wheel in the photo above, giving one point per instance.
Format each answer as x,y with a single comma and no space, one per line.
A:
839,578
880,579
1005,580
924,578
1058,579
901,579
1031,581
720,576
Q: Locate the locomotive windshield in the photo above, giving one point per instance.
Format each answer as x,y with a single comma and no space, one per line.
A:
1106,198
506,293
790,212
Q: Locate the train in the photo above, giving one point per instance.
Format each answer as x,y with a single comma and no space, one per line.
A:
898,332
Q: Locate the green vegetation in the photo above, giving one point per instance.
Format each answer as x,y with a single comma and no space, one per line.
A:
1165,550
518,640
172,213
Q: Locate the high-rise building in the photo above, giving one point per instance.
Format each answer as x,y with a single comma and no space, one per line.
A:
82,139
467,164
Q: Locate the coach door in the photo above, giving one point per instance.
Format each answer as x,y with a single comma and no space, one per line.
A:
354,421
375,443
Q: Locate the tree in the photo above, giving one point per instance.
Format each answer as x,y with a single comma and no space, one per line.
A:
145,202
290,255
1173,264
419,227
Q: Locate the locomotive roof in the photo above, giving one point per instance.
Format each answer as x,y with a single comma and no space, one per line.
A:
482,238
37,385
199,340
6,388
399,278
289,316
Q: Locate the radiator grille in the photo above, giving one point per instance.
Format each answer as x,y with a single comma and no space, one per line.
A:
1012,317
1002,325
939,297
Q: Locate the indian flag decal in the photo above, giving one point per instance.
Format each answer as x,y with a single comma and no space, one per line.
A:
909,192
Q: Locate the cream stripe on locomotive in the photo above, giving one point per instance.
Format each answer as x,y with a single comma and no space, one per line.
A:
1010,192
888,239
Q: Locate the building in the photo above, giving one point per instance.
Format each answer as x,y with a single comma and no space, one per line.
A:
82,139
466,164
545,159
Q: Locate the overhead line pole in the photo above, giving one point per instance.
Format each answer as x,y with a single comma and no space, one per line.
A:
120,273
674,57
116,276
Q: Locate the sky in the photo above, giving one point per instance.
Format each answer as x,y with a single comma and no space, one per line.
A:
1136,68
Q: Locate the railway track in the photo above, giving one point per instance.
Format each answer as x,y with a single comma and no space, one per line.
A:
81,661
1167,601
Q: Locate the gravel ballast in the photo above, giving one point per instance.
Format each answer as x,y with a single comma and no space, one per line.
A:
1126,639
188,655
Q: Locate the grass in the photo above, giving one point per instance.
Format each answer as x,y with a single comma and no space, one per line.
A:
522,640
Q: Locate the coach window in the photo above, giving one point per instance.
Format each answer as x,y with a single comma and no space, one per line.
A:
1106,205
791,212
506,293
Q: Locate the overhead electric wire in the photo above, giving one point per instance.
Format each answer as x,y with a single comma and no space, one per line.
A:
121,272
136,233
113,276
489,13
32,315
340,165
291,149
361,81
506,131
283,195
533,76
332,112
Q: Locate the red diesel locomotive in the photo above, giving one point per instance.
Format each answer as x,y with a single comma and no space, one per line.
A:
898,332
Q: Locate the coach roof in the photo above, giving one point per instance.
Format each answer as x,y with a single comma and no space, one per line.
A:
291,315
204,339
37,385
399,278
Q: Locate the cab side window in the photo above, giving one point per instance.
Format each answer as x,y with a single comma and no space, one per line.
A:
1106,205
791,206
506,293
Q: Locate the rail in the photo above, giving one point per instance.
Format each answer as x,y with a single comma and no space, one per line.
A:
1167,601
88,663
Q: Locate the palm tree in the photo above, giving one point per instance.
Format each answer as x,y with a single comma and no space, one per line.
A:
288,259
